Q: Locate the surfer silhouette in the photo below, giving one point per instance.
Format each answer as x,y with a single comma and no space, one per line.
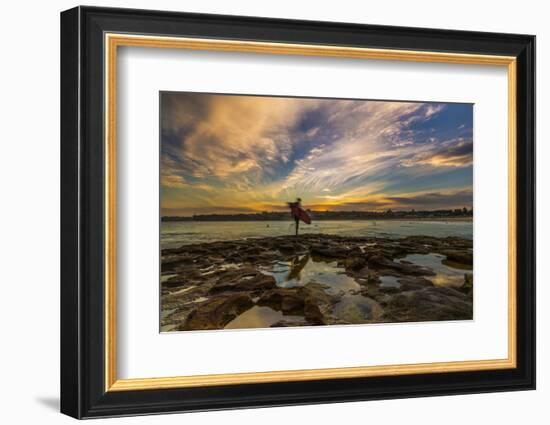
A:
298,214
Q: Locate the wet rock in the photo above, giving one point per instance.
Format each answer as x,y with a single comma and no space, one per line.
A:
468,285
355,263
286,300
382,263
174,282
389,289
372,278
377,261
317,304
357,310
217,312
330,252
414,283
248,283
459,257
184,295
199,279
310,301
431,304
287,248
318,246
288,323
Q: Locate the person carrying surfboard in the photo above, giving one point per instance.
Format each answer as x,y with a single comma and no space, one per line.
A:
298,213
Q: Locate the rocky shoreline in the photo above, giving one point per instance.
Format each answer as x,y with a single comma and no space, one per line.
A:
315,279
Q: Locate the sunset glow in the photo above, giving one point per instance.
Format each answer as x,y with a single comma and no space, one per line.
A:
225,154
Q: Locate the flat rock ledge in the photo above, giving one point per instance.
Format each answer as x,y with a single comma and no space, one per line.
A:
207,285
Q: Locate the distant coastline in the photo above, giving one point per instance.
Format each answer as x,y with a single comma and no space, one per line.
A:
462,214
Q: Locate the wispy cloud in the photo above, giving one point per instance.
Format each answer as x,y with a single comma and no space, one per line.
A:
449,153
419,200
221,151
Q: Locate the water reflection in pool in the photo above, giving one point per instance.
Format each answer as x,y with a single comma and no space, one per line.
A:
303,270
353,307
389,282
444,275
258,317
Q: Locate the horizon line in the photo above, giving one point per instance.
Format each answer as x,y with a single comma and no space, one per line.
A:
329,211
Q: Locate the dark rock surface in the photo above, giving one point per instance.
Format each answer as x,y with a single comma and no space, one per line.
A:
250,283
206,285
217,312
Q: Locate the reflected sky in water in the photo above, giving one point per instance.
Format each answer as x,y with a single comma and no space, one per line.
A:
304,269
258,317
444,275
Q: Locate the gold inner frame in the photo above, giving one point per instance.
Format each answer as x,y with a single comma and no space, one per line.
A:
113,41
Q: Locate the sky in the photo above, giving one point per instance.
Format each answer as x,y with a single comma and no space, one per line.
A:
228,154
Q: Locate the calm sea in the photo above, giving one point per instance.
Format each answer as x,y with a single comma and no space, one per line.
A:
178,233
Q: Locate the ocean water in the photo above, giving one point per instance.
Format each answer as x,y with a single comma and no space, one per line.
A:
177,233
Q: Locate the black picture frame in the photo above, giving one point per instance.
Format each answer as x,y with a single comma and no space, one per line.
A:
83,392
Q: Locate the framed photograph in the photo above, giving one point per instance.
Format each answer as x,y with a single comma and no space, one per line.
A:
261,212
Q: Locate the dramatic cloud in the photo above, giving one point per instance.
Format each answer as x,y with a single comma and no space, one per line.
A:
419,200
231,135
254,153
434,200
450,153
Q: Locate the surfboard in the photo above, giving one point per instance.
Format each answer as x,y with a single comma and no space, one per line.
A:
304,216
301,214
